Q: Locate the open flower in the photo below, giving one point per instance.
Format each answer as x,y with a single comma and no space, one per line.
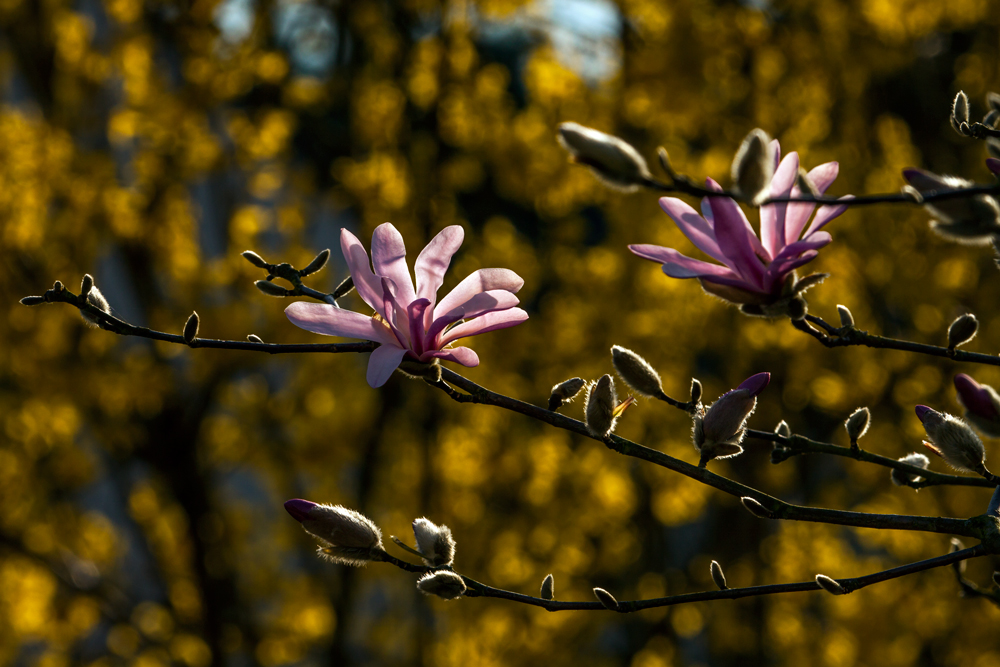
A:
751,271
411,322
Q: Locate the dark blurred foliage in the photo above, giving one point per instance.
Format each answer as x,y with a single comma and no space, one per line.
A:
149,143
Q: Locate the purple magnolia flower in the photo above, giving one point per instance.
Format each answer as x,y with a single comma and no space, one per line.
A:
407,321
751,270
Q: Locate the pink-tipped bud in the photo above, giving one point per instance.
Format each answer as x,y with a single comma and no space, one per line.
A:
922,412
718,432
346,536
953,440
756,383
982,404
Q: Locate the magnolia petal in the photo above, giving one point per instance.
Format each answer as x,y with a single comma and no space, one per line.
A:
827,213
434,259
772,216
778,270
384,360
751,234
482,280
811,242
732,232
797,216
480,304
365,282
396,315
415,315
693,226
461,355
328,320
677,265
389,260
485,323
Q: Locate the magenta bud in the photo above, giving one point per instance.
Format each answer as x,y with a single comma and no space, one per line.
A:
922,412
993,165
299,509
756,383
975,397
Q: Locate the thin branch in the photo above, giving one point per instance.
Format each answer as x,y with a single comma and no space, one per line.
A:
778,509
798,444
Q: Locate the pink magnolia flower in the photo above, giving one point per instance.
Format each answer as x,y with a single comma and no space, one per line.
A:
411,322
751,270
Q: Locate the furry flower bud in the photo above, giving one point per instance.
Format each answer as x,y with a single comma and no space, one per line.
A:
717,576
607,599
830,585
981,403
548,591
846,318
86,285
962,330
601,403
753,166
255,259
857,424
953,440
636,372
973,220
696,391
564,392
434,542
960,114
191,328
95,298
719,431
901,478
616,163
254,338
346,537
443,583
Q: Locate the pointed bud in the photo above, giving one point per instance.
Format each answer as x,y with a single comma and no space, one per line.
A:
636,372
434,542
829,585
548,588
953,440
982,404
564,392
607,599
270,289
95,298
695,391
783,429
846,318
255,259
191,328
664,157
32,300
318,263
344,288
254,338
86,285
901,478
443,583
346,537
753,166
962,330
960,113
857,424
717,576
974,220
613,161
719,432
755,508
601,404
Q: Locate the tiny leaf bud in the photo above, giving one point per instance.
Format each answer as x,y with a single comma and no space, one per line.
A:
783,429
753,166
956,545
857,424
94,298
270,289
346,537
606,598
829,585
254,338
548,588
191,328
435,543
696,391
902,478
616,163
717,576
846,318
962,330
953,440
443,583
32,300
755,508
319,261
57,286
636,372
960,113
601,404
664,158
344,288
564,392
86,285
255,259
